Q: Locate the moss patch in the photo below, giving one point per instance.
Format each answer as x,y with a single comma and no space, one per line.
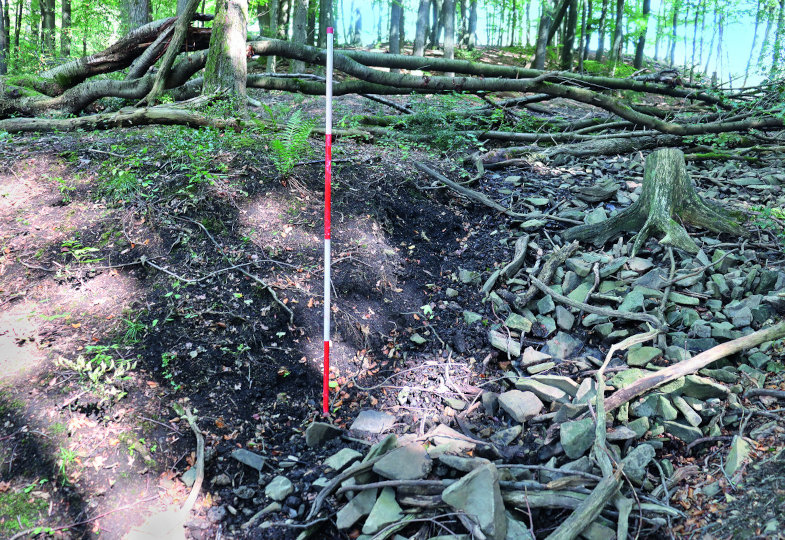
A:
19,511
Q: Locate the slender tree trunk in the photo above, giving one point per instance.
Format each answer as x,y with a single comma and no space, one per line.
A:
463,24
514,15
48,26
582,42
601,29
395,26
758,12
311,30
449,32
528,22
766,34
719,40
35,23
541,49
695,37
472,24
181,6
500,26
422,28
569,36
17,29
658,32
272,31
325,21
618,32
437,22
4,41
226,70
674,36
299,30
711,43
779,38
284,11
703,26
684,39
642,38
65,30
587,39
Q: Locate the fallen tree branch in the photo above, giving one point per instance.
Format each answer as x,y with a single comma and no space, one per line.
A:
556,259
687,367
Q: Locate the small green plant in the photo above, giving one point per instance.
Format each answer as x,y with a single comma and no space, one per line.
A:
65,188
166,361
427,310
102,373
292,144
66,458
79,252
133,331
771,219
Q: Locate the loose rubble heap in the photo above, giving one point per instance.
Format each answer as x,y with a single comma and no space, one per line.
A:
514,453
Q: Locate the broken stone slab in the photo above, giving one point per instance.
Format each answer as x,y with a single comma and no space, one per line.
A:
640,426
409,462
490,402
685,432
564,318
703,388
654,405
505,437
627,377
520,405
450,441
478,495
464,464
516,530
360,505
562,345
739,452
470,317
371,421
632,302
545,305
279,488
539,368
576,437
518,322
565,384
543,391
532,356
636,461
505,343
384,512
342,458
692,417
253,460
620,433
640,356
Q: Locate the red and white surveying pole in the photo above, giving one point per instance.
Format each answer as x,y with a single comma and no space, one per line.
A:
328,159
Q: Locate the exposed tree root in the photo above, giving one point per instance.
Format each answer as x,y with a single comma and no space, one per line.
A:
668,194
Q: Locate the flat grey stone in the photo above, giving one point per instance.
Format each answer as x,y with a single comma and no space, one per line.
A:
371,421
478,495
627,377
490,402
255,461
542,391
620,433
636,461
562,345
279,488
640,426
689,414
505,437
341,459
518,322
244,492
385,512
517,530
531,357
633,302
505,343
409,462
564,318
189,477
642,355
739,452
576,437
315,435
361,505
684,432
703,388
545,305
470,317
566,384
521,406
653,279
463,464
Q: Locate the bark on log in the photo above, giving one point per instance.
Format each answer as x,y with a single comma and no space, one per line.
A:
667,194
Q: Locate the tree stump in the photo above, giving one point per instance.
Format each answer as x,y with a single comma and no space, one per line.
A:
668,199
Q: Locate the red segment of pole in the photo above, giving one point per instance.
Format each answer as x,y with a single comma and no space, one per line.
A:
328,175
326,379
328,155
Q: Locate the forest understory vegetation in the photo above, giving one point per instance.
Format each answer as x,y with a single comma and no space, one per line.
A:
517,253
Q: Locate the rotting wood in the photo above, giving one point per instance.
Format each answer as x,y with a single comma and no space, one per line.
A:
556,259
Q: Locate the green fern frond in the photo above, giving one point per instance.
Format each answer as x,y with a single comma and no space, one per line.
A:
292,143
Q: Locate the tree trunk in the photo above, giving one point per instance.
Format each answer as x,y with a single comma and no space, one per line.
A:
601,31
136,13
541,49
325,21
395,27
449,31
674,24
284,12
48,27
582,42
4,39
569,37
589,27
711,43
667,200
181,7
272,32
65,31
299,30
436,23
472,39
514,15
618,32
766,34
226,69
695,37
642,38
758,12
311,30
779,38
463,33
422,28
356,28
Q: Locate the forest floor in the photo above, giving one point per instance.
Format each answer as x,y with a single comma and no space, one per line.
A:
154,253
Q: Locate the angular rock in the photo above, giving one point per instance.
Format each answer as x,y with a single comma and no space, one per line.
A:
566,384
490,402
409,462
279,488
385,512
632,302
636,461
642,355
521,406
505,343
361,505
542,391
539,368
450,440
505,437
703,388
478,495
344,457
620,433
253,460
545,305
684,432
564,319
562,345
463,464
516,530
640,426
370,421
518,322
690,415
470,317
627,377
316,434
577,437
531,357
739,452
